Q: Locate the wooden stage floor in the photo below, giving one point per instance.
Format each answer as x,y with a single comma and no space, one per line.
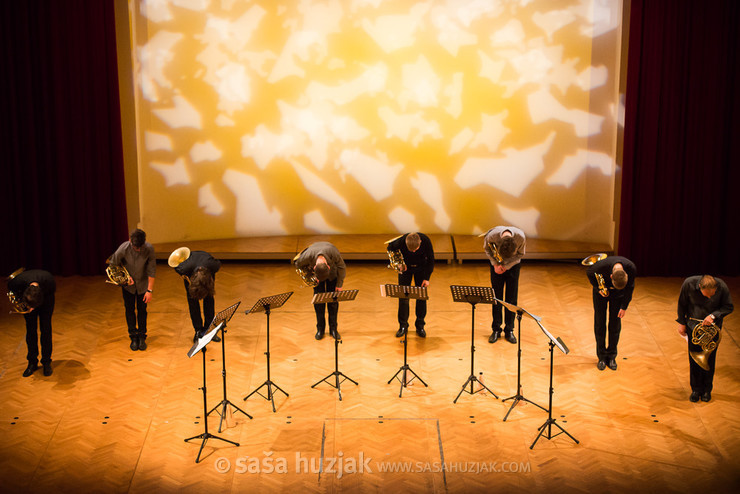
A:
112,420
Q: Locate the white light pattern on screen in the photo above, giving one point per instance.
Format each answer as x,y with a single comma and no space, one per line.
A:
204,151
371,172
430,191
525,219
403,220
510,174
173,173
154,141
573,166
303,116
319,188
314,220
251,204
208,201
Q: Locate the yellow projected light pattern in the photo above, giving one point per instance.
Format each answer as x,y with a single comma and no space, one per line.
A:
271,117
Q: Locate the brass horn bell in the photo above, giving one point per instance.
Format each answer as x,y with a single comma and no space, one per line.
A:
178,256
593,259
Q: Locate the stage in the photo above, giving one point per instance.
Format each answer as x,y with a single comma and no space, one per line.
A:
113,420
372,247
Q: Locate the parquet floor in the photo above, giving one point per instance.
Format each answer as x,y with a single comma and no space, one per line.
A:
113,420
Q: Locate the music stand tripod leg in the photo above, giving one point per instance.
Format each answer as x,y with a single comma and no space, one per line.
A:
205,436
270,394
472,379
519,396
551,421
336,372
405,369
223,403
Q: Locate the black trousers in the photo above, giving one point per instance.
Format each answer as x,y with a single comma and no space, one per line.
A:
333,307
135,312
611,304
200,324
701,381
404,279
40,316
506,287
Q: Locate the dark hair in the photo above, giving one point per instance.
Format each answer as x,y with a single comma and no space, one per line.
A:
413,241
33,296
202,284
322,272
619,278
138,238
507,249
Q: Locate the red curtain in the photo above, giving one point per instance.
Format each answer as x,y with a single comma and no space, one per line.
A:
680,209
64,199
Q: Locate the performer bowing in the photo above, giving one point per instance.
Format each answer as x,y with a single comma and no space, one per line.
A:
198,270
613,281
702,305
138,257
34,290
417,255
505,246
325,262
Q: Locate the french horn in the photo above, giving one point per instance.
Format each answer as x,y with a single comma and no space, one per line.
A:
307,275
496,254
19,306
396,261
395,257
177,257
708,338
494,250
591,260
117,275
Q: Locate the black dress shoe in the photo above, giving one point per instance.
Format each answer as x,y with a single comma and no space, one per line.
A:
134,344
400,332
612,364
334,334
142,344
706,396
494,337
694,396
30,369
319,334
421,332
601,365
509,336
47,369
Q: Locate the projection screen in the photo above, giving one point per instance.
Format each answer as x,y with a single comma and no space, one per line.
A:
271,117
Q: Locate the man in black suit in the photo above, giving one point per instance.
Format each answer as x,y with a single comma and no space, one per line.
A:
35,288
198,271
613,281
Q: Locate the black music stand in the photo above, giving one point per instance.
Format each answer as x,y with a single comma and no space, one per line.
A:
554,342
224,316
200,345
331,297
518,396
407,292
473,295
266,304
